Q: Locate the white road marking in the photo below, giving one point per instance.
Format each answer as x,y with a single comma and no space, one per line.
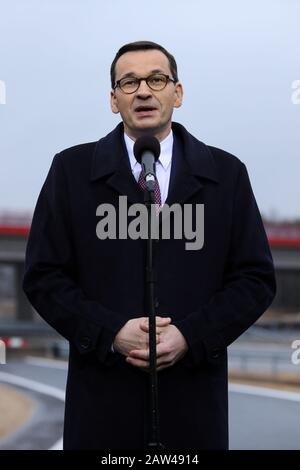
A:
264,392
43,362
58,445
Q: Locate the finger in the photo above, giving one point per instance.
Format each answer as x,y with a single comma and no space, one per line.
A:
144,324
137,362
142,354
163,367
163,356
145,365
159,328
161,321
147,341
165,361
163,350
145,329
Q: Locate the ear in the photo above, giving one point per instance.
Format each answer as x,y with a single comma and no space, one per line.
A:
178,95
114,102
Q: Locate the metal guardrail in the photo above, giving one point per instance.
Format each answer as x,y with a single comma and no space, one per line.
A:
26,328
269,362
265,350
275,333
27,337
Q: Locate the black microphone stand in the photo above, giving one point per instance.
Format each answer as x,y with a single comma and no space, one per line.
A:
154,442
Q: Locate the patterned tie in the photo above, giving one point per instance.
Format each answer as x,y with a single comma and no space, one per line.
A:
157,195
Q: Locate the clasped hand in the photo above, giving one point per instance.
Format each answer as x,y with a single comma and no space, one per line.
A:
133,342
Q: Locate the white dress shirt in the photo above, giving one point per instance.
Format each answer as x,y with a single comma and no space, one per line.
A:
163,164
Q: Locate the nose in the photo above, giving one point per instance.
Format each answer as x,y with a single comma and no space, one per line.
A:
143,90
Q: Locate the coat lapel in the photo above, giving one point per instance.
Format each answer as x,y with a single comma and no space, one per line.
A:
192,166
111,163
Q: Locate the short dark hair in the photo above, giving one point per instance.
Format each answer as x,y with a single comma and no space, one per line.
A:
142,46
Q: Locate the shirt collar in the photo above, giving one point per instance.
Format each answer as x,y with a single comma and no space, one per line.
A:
166,147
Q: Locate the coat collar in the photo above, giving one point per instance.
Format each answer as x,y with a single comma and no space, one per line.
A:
109,153
192,166
197,155
110,160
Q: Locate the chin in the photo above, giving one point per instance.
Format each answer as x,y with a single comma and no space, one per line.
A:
147,127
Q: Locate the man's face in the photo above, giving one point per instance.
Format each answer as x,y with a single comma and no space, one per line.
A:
145,111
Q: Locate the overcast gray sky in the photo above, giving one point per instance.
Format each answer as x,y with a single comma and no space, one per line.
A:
237,62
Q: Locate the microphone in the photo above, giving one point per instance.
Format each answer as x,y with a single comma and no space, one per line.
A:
146,151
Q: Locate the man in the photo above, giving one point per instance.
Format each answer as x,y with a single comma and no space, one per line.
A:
91,290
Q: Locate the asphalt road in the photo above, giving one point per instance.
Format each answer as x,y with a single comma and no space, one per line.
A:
44,384
259,418
264,422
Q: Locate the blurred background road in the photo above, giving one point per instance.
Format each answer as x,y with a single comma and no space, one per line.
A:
263,409
237,62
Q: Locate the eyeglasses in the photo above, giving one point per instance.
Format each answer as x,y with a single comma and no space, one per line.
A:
156,81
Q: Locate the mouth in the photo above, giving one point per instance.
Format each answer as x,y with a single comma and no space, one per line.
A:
144,111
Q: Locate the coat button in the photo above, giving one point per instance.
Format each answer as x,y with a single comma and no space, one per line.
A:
85,342
216,353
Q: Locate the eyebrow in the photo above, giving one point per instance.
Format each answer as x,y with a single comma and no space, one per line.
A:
132,74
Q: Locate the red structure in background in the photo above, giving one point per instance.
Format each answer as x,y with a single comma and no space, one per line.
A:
284,238
280,234
15,224
283,234
23,231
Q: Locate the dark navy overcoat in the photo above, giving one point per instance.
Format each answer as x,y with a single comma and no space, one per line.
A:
87,289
